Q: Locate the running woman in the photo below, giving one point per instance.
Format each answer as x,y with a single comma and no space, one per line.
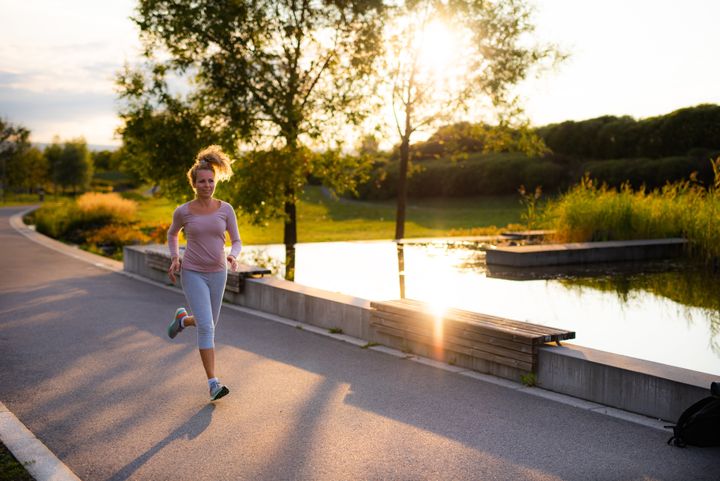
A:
203,268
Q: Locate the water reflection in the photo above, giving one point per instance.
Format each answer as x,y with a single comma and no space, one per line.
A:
401,268
668,312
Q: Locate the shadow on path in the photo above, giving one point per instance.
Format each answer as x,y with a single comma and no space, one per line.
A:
191,429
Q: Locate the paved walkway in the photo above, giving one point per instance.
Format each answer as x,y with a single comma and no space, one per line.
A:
87,367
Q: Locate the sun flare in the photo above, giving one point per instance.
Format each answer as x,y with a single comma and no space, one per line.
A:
438,47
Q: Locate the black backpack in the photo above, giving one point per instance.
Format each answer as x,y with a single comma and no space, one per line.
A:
699,425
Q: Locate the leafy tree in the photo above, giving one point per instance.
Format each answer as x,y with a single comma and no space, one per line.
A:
160,141
274,77
70,164
489,57
14,142
53,154
106,160
28,170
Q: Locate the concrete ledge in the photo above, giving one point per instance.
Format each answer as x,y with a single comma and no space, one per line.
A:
634,385
585,252
329,310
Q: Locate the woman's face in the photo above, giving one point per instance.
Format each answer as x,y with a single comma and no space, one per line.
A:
205,183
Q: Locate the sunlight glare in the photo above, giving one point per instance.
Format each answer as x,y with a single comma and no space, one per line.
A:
440,49
438,306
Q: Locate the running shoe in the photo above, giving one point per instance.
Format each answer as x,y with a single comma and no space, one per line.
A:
174,327
217,391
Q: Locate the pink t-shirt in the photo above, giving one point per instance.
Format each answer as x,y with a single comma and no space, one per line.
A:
205,234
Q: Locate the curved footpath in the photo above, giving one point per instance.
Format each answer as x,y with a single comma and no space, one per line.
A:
87,367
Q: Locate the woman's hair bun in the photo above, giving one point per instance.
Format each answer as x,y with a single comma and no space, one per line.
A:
211,158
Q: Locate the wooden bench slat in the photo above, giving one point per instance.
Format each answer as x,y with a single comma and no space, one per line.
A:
499,345
456,343
499,341
414,305
411,307
403,334
480,328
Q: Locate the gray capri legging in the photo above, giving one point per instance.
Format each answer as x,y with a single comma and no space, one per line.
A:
204,294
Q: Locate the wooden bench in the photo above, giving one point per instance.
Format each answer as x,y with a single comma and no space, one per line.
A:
493,339
235,281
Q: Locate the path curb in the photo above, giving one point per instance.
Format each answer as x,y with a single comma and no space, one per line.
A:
37,459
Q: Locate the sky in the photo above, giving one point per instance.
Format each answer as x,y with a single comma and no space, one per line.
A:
640,58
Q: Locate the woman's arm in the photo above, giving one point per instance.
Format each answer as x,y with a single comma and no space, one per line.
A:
173,247
235,241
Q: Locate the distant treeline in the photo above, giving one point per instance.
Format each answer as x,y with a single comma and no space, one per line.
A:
609,137
647,152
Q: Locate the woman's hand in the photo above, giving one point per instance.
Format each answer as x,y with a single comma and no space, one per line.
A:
233,263
174,268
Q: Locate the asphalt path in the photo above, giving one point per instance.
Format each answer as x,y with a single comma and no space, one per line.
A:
86,365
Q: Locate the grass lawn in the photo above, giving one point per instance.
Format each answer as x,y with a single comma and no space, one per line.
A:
13,200
324,219
10,468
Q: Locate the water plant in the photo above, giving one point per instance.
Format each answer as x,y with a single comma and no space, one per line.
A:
592,212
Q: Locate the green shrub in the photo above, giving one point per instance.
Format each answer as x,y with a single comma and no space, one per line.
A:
110,239
647,172
55,219
74,221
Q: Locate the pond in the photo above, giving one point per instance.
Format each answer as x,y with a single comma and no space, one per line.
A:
662,311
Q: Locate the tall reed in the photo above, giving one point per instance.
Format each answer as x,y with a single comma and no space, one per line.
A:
592,212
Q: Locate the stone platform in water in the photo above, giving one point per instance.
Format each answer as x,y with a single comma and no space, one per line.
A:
585,252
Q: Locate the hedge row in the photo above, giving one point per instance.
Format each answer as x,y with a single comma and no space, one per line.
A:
611,137
503,174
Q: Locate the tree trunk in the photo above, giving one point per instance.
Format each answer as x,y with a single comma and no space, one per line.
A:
290,233
402,188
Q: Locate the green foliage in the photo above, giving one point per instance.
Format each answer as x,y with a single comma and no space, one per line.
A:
610,137
15,144
10,468
593,212
457,140
648,172
271,76
160,143
479,174
27,170
110,239
530,202
529,379
323,218
70,164
498,56
76,221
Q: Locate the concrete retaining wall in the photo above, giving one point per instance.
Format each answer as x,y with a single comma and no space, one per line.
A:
639,386
635,385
